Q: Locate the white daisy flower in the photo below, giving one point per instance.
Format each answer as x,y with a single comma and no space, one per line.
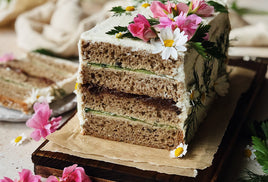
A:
172,43
19,140
180,151
40,96
221,85
249,152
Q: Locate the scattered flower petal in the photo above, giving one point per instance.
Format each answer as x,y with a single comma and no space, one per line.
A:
7,57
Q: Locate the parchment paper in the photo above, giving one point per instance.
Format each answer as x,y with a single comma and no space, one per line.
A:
200,151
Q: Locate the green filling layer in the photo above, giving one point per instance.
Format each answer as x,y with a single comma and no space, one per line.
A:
127,117
121,68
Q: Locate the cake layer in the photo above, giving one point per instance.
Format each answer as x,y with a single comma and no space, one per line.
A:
106,53
132,82
152,110
12,96
129,131
26,79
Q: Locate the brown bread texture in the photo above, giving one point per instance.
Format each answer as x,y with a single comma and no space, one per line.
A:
106,53
151,110
125,130
132,82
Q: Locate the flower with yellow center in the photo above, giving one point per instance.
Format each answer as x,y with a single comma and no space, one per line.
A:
179,151
249,152
145,5
171,43
130,8
19,140
119,35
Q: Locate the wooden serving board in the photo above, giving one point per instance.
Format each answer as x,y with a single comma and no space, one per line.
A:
52,163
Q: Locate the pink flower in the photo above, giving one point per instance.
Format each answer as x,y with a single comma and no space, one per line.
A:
188,24
25,176
40,121
141,28
7,57
202,8
71,174
199,7
6,179
166,22
161,10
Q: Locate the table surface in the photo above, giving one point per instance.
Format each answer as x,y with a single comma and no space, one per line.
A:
15,158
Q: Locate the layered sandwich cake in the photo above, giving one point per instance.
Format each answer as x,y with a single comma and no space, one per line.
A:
149,74
25,80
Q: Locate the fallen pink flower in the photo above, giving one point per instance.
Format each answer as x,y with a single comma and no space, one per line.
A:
40,121
71,174
25,176
7,57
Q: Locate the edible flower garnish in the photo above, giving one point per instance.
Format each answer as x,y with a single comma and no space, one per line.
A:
180,151
181,17
40,121
171,43
249,152
141,28
19,139
130,8
25,176
40,96
71,174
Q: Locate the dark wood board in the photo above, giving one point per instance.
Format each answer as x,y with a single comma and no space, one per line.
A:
51,163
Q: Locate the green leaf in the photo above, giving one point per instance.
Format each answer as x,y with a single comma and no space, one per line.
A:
118,10
199,48
218,7
252,177
261,153
116,30
153,21
200,33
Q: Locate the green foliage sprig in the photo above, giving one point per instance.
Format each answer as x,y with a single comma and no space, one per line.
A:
218,7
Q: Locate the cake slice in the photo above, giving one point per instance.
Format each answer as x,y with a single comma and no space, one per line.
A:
127,92
24,80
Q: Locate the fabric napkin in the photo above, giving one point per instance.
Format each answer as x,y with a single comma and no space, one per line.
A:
246,34
56,26
10,10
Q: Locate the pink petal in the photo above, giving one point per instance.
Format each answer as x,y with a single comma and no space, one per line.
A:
27,176
182,7
7,57
52,179
158,9
36,135
6,179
